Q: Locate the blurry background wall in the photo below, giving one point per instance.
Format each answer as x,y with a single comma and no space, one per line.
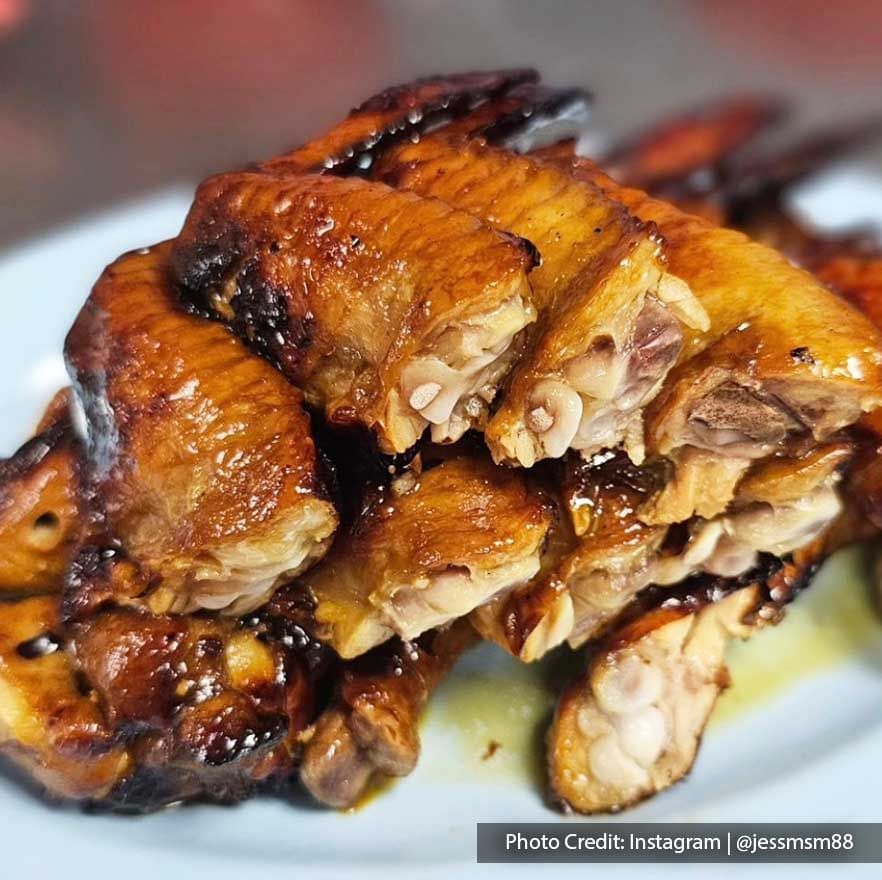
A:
105,99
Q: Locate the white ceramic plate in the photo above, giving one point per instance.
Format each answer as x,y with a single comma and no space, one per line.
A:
798,737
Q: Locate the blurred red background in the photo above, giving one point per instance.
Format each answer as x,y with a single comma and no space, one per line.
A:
103,99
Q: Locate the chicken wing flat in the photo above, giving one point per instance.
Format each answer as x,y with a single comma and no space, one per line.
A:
389,310
426,550
632,725
199,451
372,727
610,315
762,376
394,113
781,505
42,510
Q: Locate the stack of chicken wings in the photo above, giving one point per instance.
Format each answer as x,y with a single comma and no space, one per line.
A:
418,383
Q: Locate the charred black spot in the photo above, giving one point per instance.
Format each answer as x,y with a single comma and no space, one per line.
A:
286,619
422,105
701,590
262,319
530,249
89,581
226,729
802,355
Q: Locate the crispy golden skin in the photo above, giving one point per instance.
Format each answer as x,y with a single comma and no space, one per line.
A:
632,725
372,726
389,310
609,314
677,147
395,113
427,550
42,510
856,278
57,734
200,452
758,378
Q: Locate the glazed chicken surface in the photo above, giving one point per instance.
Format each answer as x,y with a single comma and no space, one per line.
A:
425,551
610,316
200,455
420,382
353,289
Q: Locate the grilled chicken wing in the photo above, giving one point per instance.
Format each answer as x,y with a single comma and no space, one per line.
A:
426,550
42,509
199,451
632,725
389,310
610,315
372,727
781,505
759,378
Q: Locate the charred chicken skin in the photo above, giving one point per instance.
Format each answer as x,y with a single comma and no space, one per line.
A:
389,310
140,738
395,113
135,710
199,452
